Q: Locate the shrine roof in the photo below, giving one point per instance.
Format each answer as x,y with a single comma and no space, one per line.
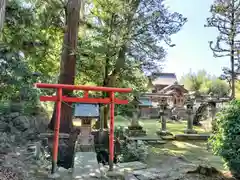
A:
164,79
86,110
172,87
155,95
145,102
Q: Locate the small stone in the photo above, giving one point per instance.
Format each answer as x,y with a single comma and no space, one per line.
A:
2,118
53,176
61,169
14,130
3,126
14,115
21,123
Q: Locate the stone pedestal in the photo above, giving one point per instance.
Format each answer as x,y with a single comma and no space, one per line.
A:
135,129
213,111
163,131
190,129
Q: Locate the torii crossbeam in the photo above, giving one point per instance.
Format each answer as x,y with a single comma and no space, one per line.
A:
59,98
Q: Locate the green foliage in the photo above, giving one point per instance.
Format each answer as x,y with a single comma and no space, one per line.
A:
237,90
133,151
119,43
218,87
127,27
26,31
15,77
120,131
205,83
224,18
2,13
130,151
226,25
194,81
17,92
226,140
30,45
120,119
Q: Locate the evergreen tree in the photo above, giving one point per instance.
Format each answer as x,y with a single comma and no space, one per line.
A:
225,17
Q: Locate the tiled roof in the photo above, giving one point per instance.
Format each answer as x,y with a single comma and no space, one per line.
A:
165,79
172,87
86,110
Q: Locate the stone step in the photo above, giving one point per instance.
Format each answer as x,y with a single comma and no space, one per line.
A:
85,140
123,170
85,144
192,136
85,148
147,139
51,134
130,176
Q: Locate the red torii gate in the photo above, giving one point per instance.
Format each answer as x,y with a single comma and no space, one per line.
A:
59,98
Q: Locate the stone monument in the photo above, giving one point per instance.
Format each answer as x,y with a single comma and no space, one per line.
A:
163,113
212,102
135,129
189,109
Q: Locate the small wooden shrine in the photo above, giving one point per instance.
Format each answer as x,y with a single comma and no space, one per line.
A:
84,115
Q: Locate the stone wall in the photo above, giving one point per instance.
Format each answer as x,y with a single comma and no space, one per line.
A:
16,128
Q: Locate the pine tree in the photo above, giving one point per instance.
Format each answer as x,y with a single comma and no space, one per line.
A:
225,17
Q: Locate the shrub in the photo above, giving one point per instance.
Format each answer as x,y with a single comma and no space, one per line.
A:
120,131
120,118
214,126
133,151
226,139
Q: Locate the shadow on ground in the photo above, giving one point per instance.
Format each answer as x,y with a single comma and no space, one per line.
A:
192,151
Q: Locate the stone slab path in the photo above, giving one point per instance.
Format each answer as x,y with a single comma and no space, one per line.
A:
159,140
86,166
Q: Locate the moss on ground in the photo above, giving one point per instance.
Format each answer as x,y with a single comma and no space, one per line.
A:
153,125
192,151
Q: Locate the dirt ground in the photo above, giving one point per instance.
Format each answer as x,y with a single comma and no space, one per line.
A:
172,161
187,161
175,160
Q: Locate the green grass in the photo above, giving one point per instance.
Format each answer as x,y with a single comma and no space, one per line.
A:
193,151
152,126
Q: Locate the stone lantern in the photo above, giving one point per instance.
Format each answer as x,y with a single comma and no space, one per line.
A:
212,102
189,109
135,129
163,113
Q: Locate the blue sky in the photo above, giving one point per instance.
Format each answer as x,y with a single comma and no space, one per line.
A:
192,50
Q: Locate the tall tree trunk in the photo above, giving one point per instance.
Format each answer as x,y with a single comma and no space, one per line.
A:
68,62
111,79
233,36
2,13
232,77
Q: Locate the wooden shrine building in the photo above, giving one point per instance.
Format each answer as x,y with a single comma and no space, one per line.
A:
164,87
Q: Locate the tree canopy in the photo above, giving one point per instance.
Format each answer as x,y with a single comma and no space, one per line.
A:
205,83
225,18
118,42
